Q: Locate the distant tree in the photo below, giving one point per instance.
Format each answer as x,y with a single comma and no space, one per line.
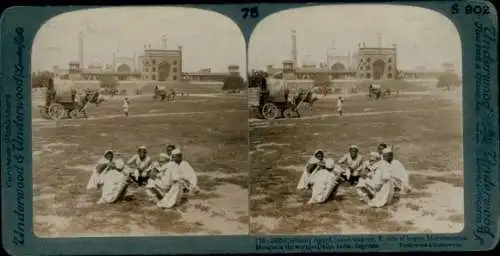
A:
322,81
448,80
257,79
108,82
233,83
41,79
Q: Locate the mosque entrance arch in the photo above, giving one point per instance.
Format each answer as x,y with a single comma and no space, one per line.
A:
124,68
163,71
338,67
378,69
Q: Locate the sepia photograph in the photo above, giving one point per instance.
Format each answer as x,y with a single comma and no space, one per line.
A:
139,124
355,122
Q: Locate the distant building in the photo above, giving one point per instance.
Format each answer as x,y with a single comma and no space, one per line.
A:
153,64
161,64
449,67
377,62
209,76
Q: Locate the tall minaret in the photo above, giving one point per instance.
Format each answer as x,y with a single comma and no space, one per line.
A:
80,48
380,43
294,47
164,40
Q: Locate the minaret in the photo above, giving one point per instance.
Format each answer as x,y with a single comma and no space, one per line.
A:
114,61
294,47
134,68
164,40
80,48
380,43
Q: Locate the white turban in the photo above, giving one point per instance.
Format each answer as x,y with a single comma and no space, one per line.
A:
329,163
387,150
163,157
354,147
318,151
176,151
374,156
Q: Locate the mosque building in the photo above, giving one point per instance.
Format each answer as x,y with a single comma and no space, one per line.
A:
375,62
152,65
370,62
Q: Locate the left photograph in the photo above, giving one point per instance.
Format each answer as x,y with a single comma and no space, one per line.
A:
139,124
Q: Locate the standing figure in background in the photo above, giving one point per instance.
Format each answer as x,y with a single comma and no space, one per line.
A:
340,106
125,105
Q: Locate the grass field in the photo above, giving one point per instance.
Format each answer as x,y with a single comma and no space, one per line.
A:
425,129
212,132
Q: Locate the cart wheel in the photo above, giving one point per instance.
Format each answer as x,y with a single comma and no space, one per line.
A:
288,113
73,114
56,111
270,111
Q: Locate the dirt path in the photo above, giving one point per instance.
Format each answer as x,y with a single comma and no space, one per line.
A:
41,120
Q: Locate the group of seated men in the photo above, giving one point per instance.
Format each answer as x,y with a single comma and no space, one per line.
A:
375,179
164,180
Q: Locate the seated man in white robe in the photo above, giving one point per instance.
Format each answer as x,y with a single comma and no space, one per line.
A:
158,170
324,181
377,190
366,173
353,162
399,174
316,160
110,176
179,178
140,164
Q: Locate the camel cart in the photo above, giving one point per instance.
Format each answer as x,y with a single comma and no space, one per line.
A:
270,98
374,90
160,93
62,102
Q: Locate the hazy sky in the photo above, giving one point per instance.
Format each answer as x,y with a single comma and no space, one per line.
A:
423,37
208,38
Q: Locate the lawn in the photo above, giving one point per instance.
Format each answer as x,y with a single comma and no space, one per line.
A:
212,133
426,131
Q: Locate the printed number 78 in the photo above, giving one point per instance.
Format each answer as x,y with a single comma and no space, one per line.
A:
253,12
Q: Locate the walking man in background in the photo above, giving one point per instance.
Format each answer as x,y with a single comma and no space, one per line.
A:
340,106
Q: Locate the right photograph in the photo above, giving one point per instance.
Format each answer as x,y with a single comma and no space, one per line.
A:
355,123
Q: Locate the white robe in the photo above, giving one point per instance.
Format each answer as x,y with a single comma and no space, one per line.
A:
97,178
304,179
154,188
354,165
323,183
400,175
379,186
113,181
137,164
176,179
